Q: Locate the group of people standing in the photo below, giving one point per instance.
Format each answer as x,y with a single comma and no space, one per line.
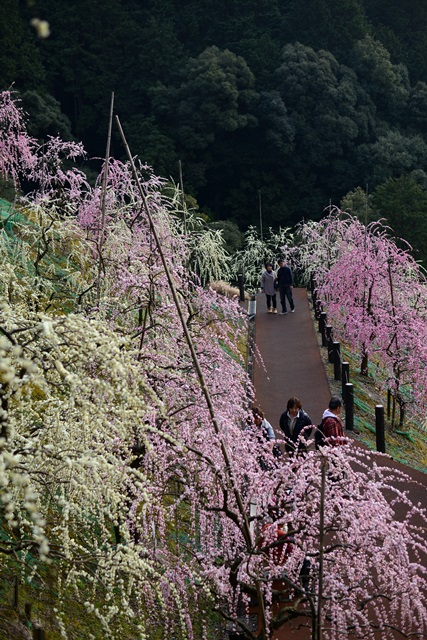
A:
275,539
300,433
281,281
294,421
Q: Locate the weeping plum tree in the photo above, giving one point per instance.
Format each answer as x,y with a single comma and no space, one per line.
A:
376,299
73,469
146,507
16,147
259,249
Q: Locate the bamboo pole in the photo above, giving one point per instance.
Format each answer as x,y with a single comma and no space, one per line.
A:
245,522
103,199
181,186
318,624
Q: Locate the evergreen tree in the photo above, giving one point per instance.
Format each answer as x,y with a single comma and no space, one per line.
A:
386,84
403,204
333,25
20,60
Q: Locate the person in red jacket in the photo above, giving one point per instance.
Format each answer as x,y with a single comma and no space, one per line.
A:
331,427
277,544
271,532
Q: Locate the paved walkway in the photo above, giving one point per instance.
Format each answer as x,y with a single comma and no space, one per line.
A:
293,366
290,365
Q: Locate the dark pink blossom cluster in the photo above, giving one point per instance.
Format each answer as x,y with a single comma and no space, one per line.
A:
17,148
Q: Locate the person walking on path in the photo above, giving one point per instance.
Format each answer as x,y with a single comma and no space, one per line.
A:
265,436
292,422
331,428
268,286
285,281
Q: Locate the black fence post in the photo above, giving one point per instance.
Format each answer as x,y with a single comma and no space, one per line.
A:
27,609
318,309
349,407
322,327
15,597
329,341
388,403
345,377
38,634
336,347
313,283
241,287
379,428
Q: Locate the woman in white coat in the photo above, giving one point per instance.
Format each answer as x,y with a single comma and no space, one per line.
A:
268,282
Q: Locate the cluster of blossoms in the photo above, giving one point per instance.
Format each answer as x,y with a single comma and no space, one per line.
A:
145,505
376,299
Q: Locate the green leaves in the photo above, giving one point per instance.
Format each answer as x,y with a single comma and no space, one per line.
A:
212,94
392,154
325,24
403,203
46,117
387,84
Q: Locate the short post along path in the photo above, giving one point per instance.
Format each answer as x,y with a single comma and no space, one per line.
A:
292,366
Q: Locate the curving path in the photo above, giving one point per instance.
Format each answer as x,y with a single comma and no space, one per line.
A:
290,365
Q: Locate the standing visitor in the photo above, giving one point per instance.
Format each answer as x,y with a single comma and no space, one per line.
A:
331,430
278,546
285,281
268,283
292,423
265,435
264,428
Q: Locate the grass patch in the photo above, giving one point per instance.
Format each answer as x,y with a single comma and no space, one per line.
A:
408,445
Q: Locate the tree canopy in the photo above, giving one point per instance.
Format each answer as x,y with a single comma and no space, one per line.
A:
297,100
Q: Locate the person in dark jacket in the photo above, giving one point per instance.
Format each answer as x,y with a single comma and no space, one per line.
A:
285,281
292,422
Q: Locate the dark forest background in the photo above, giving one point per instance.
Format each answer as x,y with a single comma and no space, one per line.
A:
302,103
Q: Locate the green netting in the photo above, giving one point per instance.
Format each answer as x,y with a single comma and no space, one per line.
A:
360,423
360,404
405,434
10,216
13,218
